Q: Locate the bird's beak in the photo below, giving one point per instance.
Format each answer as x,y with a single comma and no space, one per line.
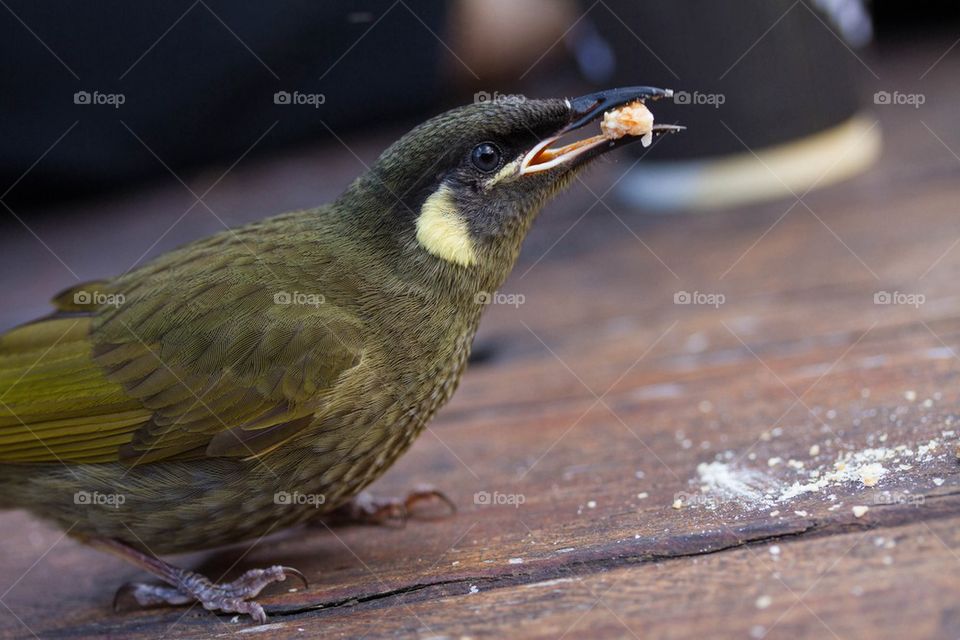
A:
584,110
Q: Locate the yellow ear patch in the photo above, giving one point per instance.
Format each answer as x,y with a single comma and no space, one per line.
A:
441,230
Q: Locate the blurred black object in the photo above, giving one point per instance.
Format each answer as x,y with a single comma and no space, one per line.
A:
768,71
197,82
894,19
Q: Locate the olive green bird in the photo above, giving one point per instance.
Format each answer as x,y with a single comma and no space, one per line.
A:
180,406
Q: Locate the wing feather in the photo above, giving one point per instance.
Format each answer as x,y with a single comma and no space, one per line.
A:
192,357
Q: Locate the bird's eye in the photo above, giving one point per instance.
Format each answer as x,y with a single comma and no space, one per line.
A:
486,157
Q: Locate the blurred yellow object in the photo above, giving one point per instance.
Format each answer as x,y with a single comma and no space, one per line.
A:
780,171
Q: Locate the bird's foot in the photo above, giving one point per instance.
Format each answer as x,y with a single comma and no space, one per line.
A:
185,587
366,508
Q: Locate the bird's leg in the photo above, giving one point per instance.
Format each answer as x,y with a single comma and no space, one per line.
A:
187,586
366,508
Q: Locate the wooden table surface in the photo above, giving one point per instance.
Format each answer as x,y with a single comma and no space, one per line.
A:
781,465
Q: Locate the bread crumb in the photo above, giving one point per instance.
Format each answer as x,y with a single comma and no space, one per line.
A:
910,395
870,474
860,510
815,450
633,119
678,504
763,602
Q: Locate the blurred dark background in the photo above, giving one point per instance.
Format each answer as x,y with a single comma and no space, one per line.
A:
106,93
151,124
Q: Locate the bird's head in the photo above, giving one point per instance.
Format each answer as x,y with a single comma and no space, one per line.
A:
457,194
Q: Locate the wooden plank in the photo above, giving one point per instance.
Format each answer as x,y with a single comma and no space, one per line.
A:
858,584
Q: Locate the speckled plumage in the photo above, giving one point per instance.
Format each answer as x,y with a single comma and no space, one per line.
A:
201,394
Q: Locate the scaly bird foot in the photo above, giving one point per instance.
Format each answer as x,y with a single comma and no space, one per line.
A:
366,508
229,597
184,587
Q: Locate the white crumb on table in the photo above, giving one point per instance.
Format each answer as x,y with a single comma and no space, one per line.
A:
728,483
731,479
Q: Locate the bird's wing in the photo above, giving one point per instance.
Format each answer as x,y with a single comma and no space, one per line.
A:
55,401
173,365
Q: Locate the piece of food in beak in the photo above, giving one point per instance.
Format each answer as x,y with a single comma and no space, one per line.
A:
633,119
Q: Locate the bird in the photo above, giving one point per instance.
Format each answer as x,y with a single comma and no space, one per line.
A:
259,378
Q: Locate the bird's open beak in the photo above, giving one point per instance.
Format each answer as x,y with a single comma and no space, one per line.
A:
584,110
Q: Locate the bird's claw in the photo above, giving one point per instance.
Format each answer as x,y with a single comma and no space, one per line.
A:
228,597
366,508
